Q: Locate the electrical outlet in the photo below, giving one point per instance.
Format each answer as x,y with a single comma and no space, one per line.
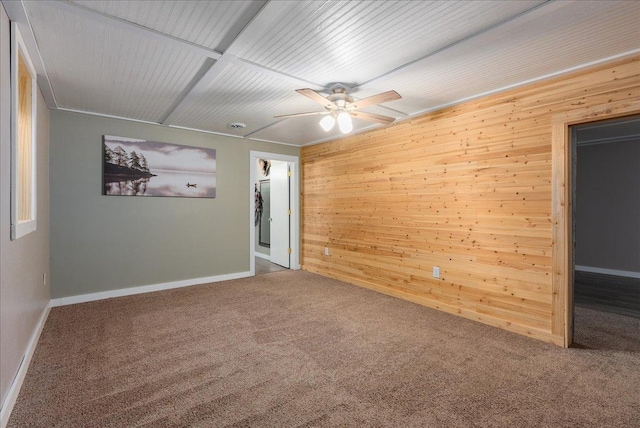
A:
326,251
436,272
44,279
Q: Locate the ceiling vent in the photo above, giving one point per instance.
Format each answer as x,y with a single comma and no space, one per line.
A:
236,125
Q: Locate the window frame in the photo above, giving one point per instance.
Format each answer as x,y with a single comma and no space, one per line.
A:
20,228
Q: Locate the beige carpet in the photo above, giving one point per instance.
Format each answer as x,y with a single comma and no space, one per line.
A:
293,349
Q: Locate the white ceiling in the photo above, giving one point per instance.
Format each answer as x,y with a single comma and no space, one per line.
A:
205,64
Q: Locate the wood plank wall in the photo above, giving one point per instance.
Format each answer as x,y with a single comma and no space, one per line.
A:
467,188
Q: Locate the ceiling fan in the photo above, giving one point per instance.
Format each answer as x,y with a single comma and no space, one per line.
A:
340,107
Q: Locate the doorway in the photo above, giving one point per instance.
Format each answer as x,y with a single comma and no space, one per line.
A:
274,207
562,263
605,225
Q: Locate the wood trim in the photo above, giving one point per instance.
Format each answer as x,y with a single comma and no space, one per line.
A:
562,279
295,202
23,139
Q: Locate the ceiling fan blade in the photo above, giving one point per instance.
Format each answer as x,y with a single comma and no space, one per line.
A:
376,99
372,117
317,97
311,113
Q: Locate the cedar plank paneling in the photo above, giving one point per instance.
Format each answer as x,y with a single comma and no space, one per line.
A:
467,188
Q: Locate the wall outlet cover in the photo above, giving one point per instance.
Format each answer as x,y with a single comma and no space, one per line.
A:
436,272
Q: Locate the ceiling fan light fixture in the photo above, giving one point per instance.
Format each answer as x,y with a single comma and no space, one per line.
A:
327,123
340,106
344,122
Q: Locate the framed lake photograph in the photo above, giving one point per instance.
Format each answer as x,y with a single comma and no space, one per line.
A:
134,167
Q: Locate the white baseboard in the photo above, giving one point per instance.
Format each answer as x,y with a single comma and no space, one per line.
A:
605,271
72,300
12,395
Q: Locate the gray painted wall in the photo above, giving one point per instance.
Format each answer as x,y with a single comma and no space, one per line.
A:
23,296
101,243
608,206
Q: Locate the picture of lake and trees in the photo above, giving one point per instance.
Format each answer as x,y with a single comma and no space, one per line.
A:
134,167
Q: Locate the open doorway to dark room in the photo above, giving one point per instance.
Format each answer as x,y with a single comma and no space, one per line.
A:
606,224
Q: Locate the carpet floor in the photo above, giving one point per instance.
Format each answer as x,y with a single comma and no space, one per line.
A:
294,349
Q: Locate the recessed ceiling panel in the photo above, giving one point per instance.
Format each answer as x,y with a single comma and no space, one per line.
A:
94,68
240,94
355,41
205,23
558,37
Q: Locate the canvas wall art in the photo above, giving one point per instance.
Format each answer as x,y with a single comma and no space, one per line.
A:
134,167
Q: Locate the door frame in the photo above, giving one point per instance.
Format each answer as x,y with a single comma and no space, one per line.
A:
562,189
294,203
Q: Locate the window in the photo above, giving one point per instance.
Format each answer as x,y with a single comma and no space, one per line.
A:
23,138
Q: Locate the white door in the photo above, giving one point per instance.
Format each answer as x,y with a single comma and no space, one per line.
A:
279,213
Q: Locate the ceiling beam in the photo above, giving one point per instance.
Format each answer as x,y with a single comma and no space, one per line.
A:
237,36
264,19
532,13
175,109
196,88
247,17
18,14
209,72
544,8
132,27
275,122
275,73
